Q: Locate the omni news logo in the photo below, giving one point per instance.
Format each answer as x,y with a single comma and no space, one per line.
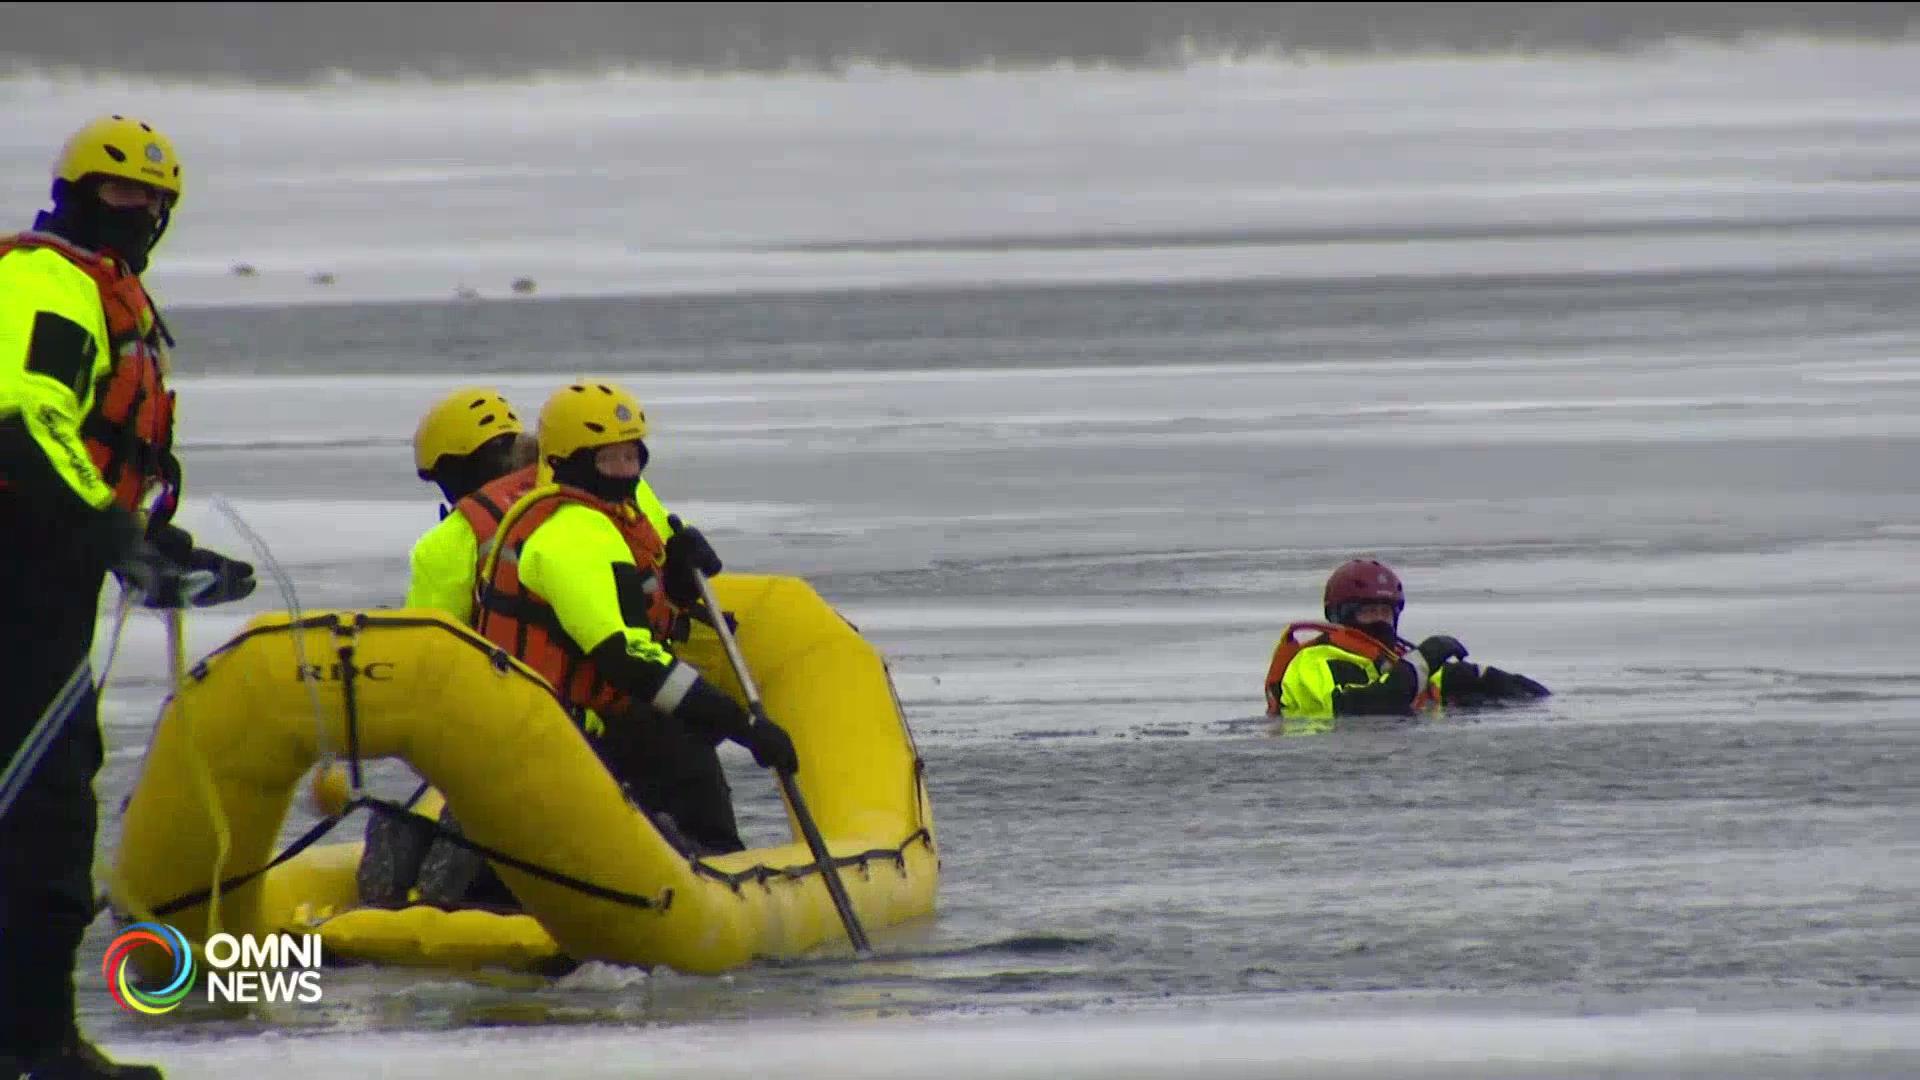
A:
133,998
246,970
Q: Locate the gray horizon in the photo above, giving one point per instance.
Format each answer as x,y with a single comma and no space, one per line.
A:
299,42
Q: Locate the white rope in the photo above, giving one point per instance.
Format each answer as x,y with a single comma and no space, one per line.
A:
284,583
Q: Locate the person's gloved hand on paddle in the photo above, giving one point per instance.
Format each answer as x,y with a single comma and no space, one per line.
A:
707,709
687,551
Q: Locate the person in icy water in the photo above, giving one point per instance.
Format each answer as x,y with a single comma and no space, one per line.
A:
1357,664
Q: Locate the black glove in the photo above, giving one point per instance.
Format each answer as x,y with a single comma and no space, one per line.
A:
1475,685
772,747
162,582
693,545
687,551
232,579
1510,686
171,540
1461,679
706,709
1441,648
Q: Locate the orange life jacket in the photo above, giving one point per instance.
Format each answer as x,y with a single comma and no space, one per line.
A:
517,619
1358,642
129,430
484,508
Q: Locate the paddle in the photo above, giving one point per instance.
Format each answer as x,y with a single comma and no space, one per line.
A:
829,873
176,648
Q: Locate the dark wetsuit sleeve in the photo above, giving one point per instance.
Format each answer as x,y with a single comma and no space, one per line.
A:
1391,696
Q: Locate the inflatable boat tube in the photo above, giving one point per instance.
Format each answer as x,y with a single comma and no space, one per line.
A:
596,879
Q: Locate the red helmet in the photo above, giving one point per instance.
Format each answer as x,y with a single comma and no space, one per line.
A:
1364,581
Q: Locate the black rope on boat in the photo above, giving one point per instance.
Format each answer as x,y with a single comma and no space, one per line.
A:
760,875
919,778
557,877
385,806
352,705
200,896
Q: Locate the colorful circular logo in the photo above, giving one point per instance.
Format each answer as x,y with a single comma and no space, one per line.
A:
152,1002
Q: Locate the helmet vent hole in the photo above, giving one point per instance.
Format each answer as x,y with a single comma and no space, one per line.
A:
597,429
487,419
146,129
114,152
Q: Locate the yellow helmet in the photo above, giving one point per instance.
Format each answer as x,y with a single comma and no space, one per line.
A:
124,147
459,424
589,414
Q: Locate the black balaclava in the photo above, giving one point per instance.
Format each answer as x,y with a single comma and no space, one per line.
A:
461,476
1385,633
81,219
578,470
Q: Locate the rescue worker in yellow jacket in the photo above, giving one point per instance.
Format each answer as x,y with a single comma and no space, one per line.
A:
86,433
1357,664
473,446
466,440
581,587
469,439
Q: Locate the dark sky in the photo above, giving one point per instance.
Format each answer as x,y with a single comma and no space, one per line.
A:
275,42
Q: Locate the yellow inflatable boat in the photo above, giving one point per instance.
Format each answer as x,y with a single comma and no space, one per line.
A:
595,878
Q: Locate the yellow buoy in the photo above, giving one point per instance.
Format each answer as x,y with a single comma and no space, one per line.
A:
329,789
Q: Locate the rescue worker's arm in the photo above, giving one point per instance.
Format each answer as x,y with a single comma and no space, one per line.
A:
51,353
1394,693
581,565
1469,685
1353,695
442,567
1323,682
29,470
